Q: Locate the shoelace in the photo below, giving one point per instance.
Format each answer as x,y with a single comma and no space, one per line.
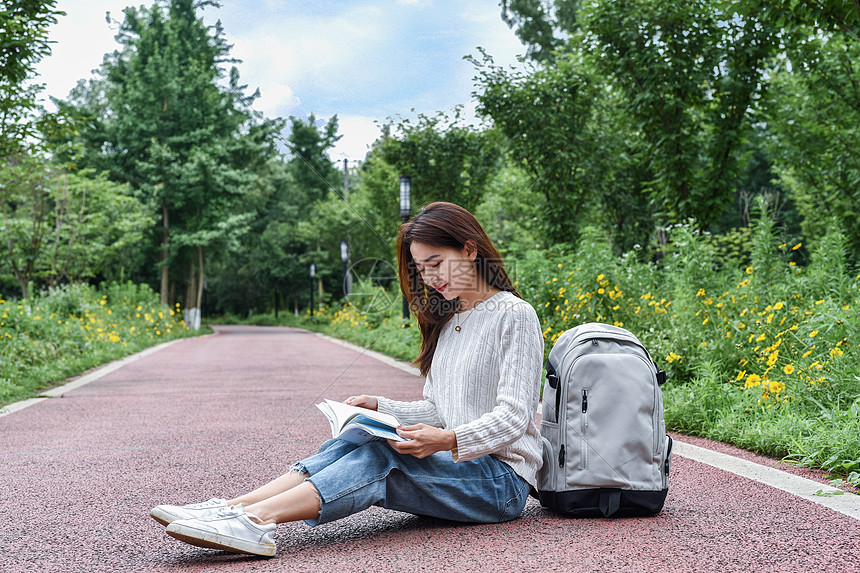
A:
212,503
234,511
229,511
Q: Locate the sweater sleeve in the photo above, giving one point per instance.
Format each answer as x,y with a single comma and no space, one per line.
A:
520,351
417,412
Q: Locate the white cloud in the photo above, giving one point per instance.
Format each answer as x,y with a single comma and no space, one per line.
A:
326,50
82,37
275,98
358,133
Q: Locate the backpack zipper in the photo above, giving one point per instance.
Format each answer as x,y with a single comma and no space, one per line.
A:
584,430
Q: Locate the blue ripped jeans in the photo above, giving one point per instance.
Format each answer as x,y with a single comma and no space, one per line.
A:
351,478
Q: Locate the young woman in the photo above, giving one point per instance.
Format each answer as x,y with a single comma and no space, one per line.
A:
472,447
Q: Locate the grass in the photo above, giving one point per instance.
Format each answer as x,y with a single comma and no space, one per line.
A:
67,331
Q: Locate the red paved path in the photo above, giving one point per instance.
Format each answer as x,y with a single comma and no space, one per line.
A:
220,414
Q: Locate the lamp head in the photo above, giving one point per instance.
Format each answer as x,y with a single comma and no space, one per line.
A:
405,192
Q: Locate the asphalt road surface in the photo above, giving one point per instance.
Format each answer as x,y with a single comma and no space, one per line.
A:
221,414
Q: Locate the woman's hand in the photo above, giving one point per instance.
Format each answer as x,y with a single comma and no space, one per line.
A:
362,401
424,440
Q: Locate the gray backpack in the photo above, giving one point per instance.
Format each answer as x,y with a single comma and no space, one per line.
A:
606,452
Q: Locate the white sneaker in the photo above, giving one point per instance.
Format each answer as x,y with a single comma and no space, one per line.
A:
230,529
167,514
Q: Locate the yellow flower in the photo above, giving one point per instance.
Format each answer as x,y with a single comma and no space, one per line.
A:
776,387
701,292
752,380
741,374
599,277
704,322
797,246
760,338
777,306
771,360
789,369
813,334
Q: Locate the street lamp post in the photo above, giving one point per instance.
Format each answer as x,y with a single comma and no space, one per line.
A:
313,273
405,211
344,256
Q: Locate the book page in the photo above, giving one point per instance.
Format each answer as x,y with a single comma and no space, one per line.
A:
344,413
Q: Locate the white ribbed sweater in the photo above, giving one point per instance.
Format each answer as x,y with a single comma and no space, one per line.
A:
484,384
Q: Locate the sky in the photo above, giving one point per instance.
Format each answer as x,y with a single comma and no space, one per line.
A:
364,60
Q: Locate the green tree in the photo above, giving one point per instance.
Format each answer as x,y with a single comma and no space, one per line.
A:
161,120
541,25
301,219
23,43
812,122
447,161
311,168
551,118
677,84
66,227
691,73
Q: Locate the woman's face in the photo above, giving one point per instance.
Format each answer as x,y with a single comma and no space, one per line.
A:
448,270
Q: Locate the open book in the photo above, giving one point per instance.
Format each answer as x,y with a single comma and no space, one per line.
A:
359,425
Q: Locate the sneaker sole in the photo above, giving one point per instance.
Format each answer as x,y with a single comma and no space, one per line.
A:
213,540
162,517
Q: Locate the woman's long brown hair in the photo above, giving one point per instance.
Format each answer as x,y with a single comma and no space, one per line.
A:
443,225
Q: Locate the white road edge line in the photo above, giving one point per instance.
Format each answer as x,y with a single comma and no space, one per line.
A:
78,382
842,501
399,364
